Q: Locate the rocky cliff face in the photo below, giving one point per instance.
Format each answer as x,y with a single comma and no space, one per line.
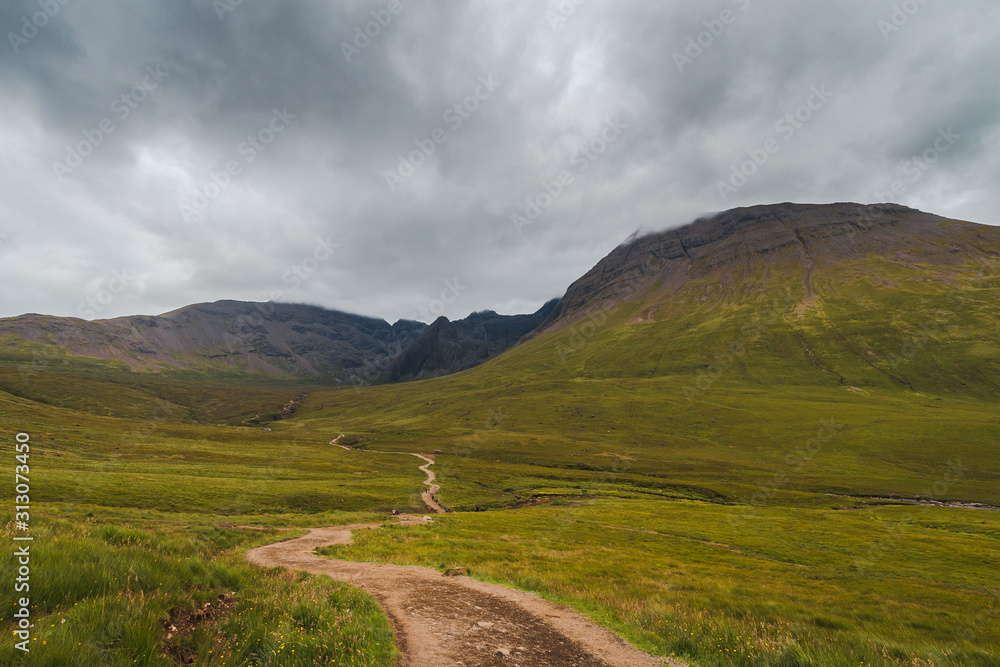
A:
448,347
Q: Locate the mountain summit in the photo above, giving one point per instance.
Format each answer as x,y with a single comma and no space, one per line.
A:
744,253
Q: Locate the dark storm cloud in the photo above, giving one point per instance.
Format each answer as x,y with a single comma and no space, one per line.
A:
276,151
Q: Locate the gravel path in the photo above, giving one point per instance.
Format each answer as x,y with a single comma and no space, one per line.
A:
432,488
443,621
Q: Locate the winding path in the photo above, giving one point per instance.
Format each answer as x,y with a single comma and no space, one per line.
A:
432,488
444,621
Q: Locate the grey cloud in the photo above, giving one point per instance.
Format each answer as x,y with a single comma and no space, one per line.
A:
325,175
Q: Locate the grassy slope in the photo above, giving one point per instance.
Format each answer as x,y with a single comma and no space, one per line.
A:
126,516
47,374
784,586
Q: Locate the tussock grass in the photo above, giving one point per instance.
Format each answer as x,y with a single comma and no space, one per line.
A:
101,594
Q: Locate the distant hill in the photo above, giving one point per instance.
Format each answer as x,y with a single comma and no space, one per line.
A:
851,291
277,339
755,354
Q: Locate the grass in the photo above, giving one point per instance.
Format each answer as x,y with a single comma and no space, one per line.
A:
202,469
126,514
103,594
44,373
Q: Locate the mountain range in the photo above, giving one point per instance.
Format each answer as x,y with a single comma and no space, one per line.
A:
280,340
801,259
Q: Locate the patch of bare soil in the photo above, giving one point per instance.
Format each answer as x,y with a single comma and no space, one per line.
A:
866,502
448,621
183,621
238,526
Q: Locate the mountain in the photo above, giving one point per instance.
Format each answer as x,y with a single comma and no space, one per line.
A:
741,253
865,296
448,347
277,339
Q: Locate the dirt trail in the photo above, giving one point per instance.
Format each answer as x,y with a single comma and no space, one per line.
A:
432,488
449,621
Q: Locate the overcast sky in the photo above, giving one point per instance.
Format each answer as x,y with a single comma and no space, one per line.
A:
162,153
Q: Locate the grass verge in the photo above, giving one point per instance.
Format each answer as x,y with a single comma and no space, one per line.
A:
119,594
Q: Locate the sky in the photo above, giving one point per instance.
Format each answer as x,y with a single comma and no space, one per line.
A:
410,159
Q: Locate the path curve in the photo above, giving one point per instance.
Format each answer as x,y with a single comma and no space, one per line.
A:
432,488
450,621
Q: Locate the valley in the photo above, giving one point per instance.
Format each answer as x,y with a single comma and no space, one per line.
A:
766,438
